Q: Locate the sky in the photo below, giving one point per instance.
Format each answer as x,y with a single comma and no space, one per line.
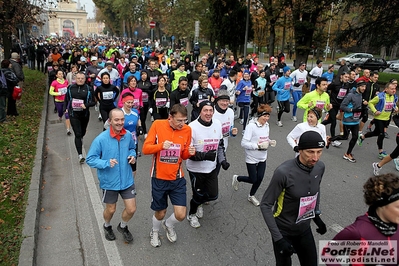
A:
89,5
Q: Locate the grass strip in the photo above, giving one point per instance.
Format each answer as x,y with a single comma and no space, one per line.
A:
18,146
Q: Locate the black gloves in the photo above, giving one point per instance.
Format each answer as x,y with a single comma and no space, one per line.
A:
210,156
284,247
225,165
297,84
140,131
321,226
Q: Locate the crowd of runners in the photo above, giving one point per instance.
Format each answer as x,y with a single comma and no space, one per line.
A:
193,99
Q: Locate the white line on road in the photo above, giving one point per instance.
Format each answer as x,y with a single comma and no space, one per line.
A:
114,258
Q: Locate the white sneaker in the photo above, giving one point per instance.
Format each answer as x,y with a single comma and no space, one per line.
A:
81,159
193,219
376,169
170,232
279,123
294,119
200,212
100,118
235,182
243,132
155,241
253,200
241,121
336,143
152,119
96,107
396,162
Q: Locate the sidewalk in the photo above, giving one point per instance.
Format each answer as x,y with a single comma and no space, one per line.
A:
58,225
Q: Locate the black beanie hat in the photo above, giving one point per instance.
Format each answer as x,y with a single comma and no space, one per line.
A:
206,102
310,140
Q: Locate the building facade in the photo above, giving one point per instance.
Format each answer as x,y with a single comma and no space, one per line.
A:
69,20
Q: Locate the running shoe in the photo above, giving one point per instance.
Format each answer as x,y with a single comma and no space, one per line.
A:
81,159
396,161
376,169
279,123
386,135
109,233
253,200
154,239
360,140
100,118
243,132
170,232
241,121
382,155
200,212
235,182
349,157
368,129
193,219
125,232
294,119
336,143
68,132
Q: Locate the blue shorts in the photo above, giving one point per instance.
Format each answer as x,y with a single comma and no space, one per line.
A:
161,189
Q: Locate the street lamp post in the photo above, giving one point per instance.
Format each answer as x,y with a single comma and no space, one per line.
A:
329,30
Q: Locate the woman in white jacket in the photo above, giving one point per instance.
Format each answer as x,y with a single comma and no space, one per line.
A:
255,142
312,123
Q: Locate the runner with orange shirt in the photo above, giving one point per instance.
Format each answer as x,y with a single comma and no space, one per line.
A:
169,141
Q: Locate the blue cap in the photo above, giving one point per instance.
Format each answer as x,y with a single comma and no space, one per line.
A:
246,71
286,68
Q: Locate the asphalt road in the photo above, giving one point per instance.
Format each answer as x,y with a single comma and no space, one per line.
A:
232,231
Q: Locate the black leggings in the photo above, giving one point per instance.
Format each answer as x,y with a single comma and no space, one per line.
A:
332,118
378,131
255,103
395,152
256,172
204,187
283,106
269,97
304,246
355,133
162,113
143,117
104,111
79,124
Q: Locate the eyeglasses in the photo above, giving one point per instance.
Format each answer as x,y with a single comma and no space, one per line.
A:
181,121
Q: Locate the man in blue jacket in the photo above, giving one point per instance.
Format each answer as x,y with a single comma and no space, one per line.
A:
111,153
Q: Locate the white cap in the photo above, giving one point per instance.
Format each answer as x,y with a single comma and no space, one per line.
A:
93,58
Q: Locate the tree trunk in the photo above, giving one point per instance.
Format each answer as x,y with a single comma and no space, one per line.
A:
304,27
6,36
272,37
284,34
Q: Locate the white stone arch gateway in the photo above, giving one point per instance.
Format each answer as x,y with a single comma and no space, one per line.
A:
68,28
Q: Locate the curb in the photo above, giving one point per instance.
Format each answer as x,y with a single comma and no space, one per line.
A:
27,253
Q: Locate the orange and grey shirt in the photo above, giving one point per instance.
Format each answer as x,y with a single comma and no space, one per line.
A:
166,164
